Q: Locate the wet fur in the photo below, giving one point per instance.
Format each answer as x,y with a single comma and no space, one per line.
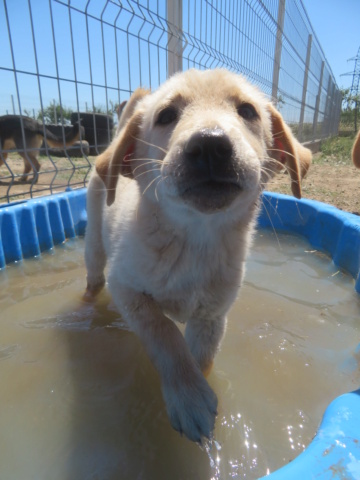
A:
172,254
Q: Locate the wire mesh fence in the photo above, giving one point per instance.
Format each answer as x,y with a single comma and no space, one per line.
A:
69,62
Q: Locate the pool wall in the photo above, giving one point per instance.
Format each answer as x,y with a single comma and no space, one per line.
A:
328,229
30,227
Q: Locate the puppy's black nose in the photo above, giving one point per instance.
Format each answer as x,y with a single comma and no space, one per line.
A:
208,149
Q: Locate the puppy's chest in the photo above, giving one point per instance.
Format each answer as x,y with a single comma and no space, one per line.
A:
186,277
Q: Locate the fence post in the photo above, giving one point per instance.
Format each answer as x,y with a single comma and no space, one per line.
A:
317,104
174,23
325,128
303,101
336,113
278,48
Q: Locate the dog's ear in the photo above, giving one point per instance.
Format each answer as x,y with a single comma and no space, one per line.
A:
116,160
304,158
284,150
119,109
128,108
356,151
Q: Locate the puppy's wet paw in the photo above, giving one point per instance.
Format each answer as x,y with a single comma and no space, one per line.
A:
192,408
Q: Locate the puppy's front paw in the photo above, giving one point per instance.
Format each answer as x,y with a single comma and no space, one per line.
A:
191,406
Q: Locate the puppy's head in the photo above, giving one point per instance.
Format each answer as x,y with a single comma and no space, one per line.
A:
205,139
356,151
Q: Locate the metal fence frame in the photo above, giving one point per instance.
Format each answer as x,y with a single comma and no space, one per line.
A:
91,55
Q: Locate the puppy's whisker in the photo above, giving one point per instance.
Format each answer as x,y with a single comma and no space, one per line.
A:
278,134
282,151
274,160
150,144
148,171
271,222
161,179
139,159
147,188
142,165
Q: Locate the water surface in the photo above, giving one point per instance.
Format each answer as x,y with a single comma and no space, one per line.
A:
79,398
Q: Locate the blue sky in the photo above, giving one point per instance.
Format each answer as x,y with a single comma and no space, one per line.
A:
336,23
337,26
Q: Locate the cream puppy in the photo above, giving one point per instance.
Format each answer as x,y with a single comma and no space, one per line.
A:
171,207
356,151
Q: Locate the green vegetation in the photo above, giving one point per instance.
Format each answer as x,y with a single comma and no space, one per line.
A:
336,151
350,112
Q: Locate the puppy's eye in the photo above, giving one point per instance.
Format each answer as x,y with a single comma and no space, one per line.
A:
247,111
166,116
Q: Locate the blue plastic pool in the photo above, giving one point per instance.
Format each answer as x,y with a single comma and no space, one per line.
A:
29,227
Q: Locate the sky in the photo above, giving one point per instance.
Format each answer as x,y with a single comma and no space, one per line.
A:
337,27
129,61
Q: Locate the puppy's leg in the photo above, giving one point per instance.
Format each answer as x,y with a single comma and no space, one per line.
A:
191,404
95,257
203,337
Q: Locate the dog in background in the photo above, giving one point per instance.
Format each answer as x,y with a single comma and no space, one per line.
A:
172,205
28,140
356,151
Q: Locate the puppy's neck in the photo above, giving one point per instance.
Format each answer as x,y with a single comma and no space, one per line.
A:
197,229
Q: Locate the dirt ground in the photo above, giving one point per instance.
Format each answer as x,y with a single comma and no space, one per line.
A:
333,183
55,176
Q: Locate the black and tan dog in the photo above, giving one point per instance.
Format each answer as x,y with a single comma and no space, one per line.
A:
28,139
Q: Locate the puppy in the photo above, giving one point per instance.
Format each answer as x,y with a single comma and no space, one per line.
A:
172,205
356,151
28,145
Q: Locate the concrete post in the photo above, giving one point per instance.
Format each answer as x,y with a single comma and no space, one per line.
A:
278,48
303,100
174,21
325,129
318,97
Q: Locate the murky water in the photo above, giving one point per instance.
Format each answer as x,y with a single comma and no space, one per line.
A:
80,400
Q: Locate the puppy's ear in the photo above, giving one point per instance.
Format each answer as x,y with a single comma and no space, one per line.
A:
120,108
356,151
128,108
284,150
304,158
116,160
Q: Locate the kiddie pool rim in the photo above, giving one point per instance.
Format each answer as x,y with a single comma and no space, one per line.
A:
30,227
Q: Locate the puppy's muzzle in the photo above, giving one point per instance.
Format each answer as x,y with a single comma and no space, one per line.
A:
209,153
211,180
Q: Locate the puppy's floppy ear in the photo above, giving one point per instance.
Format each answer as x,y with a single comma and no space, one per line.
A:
304,158
284,150
116,160
128,108
356,151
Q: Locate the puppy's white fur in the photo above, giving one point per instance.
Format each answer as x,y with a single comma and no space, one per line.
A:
176,249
